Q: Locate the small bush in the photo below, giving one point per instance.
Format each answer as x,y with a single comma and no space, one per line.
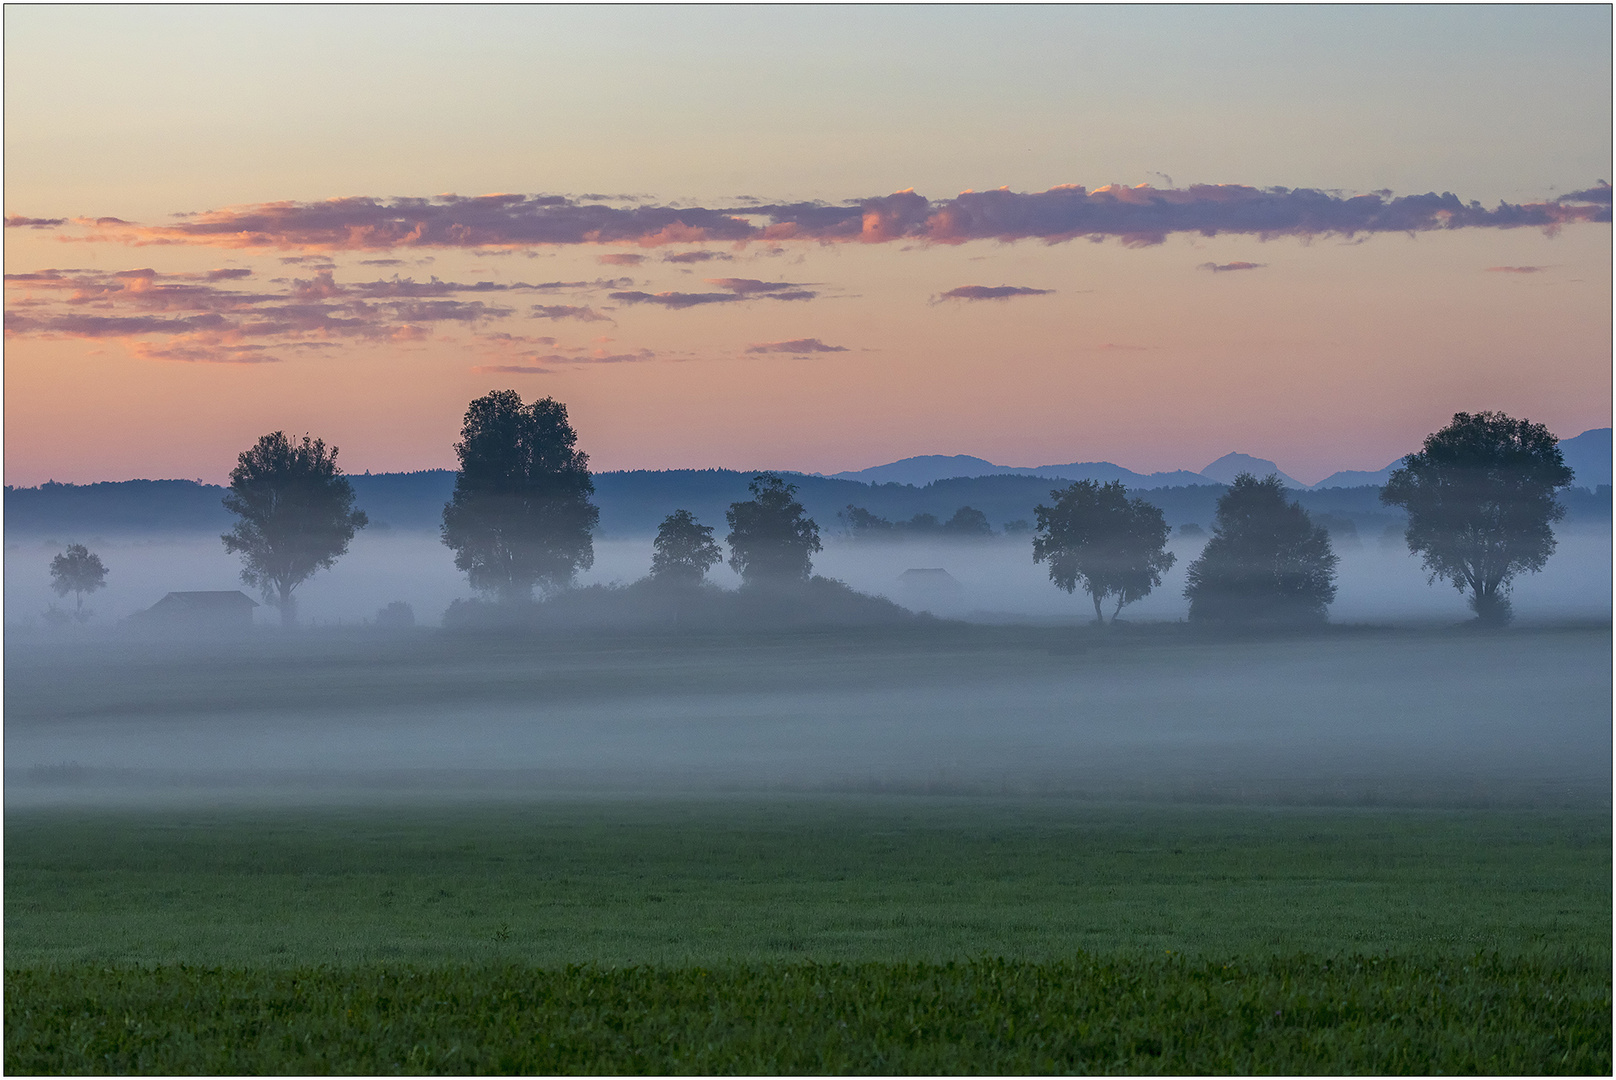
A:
652,604
396,616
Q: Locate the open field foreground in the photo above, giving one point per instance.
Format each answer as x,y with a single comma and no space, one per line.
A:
808,934
936,848
1298,1016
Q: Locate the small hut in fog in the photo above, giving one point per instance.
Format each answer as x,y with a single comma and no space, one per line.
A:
929,587
192,612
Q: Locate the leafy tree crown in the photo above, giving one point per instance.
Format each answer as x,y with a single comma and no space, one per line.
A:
521,514
1481,505
1095,536
297,513
771,536
1266,563
684,549
77,570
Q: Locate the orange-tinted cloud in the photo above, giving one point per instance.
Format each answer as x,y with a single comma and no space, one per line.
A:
1136,216
1516,269
1223,268
621,258
207,318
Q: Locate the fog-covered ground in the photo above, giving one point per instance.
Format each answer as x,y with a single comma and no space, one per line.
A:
997,580
1412,717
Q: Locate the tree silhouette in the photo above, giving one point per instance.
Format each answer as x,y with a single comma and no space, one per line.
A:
297,515
1096,536
770,537
1480,502
684,549
1266,564
520,515
77,570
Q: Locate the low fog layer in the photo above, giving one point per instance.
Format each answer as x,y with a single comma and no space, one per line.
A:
996,579
1436,717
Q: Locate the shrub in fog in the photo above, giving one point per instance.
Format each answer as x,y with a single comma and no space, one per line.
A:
1266,564
771,538
1095,536
1189,528
863,524
1481,506
78,570
1343,530
396,616
297,515
684,549
520,515
650,606
968,521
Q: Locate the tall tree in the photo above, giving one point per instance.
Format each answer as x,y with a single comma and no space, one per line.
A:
1266,564
297,515
79,571
684,549
1096,536
771,537
520,515
1480,502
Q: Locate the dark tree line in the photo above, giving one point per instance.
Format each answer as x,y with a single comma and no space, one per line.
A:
1480,498
966,522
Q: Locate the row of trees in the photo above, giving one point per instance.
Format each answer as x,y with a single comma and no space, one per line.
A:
967,522
1479,497
520,516
1480,501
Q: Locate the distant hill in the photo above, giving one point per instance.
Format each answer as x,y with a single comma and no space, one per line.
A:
929,468
1589,456
1229,466
1357,478
633,503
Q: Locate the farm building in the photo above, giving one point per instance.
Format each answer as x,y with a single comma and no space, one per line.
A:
201,611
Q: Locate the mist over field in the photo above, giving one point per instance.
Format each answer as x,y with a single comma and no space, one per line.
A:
1011,691
1379,582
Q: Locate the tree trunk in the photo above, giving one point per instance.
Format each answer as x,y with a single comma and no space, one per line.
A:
1099,616
288,607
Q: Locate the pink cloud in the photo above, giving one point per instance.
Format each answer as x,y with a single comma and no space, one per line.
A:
568,311
795,345
1224,268
1515,269
621,259
991,292
1135,215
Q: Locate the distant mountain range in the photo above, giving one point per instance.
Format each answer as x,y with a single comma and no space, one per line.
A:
1588,454
634,503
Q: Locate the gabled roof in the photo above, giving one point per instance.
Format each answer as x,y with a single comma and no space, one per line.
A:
224,600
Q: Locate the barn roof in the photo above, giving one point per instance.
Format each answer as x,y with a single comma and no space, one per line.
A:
223,600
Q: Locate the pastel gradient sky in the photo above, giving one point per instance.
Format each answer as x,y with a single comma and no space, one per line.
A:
801,237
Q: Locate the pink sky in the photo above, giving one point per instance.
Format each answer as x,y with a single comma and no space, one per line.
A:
815,323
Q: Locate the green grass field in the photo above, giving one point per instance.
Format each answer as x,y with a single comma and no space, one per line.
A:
808,934
952,849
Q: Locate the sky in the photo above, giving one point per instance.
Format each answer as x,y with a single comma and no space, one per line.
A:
806,238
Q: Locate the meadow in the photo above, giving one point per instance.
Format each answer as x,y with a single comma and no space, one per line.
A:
942,850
